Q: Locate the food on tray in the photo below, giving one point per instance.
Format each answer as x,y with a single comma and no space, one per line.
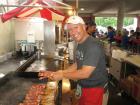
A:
41,94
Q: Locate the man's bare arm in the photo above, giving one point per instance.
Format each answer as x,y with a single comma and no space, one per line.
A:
71,68
82,73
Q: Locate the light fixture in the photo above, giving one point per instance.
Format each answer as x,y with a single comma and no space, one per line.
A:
70,12
82,9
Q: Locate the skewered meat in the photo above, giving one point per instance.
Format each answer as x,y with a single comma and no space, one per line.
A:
41,94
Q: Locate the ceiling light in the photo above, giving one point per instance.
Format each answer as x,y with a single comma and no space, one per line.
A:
82,9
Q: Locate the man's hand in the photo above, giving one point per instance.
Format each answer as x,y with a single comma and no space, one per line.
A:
57,75
45,74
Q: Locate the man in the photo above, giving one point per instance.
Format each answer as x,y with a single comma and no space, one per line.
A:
89,68
110,34
91,28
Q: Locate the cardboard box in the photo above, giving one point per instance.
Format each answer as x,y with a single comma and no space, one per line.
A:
126,85
131,85
136,91
137,78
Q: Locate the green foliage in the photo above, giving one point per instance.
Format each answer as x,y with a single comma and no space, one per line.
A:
112,21
128,21
106,21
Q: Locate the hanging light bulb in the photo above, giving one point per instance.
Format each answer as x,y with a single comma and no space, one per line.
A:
70,12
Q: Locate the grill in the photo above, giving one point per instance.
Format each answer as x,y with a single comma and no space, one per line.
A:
14,88
15,85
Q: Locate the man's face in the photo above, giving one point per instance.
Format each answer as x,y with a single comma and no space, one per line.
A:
76,31
92,29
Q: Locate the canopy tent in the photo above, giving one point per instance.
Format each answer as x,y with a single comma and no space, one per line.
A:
31,7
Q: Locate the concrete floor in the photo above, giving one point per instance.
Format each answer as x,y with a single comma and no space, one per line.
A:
119,98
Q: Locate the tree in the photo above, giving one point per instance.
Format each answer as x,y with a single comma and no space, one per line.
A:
112,21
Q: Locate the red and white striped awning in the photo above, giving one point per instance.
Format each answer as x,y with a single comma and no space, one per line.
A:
46,13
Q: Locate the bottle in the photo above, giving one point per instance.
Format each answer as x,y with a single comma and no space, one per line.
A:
38,54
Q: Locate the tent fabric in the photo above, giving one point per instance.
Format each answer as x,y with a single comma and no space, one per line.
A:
28,10
51,3
46,13
49,14
27,13
13,12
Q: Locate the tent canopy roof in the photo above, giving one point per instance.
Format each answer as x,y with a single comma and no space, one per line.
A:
30,7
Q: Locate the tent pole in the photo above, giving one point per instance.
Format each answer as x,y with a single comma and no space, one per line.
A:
36,6
77,6
62,3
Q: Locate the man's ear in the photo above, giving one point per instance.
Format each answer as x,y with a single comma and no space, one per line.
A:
86,27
